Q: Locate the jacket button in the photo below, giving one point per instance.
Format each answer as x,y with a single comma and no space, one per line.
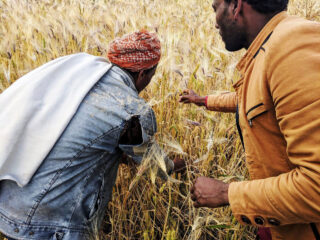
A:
16,230
273,221
259,220
31,233
245,219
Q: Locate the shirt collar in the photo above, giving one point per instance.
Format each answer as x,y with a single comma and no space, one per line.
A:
259,40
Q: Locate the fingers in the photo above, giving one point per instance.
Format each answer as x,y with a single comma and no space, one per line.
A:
184,99
185,96
188,96
196,205
192,189
186,91
179,164
194,195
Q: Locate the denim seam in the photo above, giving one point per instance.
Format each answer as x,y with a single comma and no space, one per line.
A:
56,176
97,193
77,200
90,144
101,192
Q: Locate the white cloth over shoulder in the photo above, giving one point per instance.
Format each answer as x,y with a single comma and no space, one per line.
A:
36,109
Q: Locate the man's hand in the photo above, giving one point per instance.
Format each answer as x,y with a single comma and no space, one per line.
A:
179,164
209,192
189,96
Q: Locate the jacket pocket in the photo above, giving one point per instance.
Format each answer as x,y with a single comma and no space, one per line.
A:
255,111
93,204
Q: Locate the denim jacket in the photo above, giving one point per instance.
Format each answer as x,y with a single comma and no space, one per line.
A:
66,197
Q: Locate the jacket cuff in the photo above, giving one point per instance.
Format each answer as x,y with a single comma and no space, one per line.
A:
206,102
251,205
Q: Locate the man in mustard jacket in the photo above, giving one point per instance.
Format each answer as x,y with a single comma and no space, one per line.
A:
277,106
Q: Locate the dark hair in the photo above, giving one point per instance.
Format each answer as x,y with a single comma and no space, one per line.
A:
267,6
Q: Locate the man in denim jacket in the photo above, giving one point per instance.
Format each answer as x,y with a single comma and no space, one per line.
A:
66,196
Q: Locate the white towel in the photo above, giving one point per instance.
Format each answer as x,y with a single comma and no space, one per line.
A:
36,109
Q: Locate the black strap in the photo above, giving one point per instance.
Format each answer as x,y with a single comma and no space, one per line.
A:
261,47
315,231
238,125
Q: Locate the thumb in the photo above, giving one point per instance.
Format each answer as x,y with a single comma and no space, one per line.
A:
186,91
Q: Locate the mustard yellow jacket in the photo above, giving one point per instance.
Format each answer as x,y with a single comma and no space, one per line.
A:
278,100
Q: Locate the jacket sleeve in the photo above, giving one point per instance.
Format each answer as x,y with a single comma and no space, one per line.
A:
294,81
139,145
224,102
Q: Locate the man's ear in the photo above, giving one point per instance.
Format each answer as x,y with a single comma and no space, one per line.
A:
141,74
139,82
237,9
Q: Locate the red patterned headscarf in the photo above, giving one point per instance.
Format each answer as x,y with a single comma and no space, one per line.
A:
136,51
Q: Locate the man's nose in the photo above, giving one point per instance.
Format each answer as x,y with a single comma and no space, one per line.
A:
217,26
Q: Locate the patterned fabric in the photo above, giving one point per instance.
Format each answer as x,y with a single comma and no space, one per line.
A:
135,52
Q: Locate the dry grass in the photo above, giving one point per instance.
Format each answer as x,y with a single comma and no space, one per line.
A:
33,32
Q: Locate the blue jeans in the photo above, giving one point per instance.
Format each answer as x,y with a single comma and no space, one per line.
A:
67,196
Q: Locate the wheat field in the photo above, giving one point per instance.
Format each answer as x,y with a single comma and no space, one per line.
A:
143,206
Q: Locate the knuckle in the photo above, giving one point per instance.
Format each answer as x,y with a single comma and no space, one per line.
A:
200,201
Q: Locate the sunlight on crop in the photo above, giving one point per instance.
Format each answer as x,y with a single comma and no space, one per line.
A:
144,206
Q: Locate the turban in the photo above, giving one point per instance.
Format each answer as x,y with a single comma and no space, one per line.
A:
136,51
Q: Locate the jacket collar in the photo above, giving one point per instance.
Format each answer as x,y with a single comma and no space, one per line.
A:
262,37
128,79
